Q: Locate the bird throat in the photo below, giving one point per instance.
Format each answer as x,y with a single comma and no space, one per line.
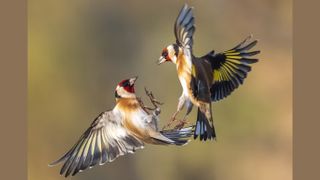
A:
127,104
183,65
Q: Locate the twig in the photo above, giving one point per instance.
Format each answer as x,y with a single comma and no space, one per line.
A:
154,102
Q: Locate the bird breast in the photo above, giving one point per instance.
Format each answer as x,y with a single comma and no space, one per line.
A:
184,73
134,118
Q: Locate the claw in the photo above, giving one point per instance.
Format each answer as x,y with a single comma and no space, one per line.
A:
181,124
169,123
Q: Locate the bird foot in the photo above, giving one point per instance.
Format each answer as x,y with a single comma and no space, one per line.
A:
173,118
181,124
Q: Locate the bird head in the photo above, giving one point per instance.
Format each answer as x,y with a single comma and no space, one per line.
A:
170,53
125,89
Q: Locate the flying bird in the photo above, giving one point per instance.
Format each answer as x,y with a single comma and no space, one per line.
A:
208,78
124,129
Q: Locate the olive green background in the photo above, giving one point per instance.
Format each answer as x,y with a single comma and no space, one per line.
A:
80,50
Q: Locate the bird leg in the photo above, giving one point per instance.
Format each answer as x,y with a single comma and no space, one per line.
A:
184,121
173,118
181,103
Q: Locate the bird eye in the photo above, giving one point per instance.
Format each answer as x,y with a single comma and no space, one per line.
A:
165,53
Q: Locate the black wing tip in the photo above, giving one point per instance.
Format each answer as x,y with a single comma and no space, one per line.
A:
256,52
254,61
245,44
54,163
61,159
74,173
181,142
69,172
179,137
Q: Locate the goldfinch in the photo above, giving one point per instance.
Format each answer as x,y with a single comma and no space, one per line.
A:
124,129
205,79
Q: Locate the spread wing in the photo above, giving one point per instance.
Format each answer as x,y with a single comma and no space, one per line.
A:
184,28
102,142
230,68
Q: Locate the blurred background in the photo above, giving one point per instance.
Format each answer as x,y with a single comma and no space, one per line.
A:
79,50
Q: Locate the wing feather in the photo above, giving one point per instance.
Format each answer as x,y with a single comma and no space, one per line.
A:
184,27
104,141
230,68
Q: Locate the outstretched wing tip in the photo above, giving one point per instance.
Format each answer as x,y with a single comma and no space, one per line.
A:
52,164
102,142
184,27
231,67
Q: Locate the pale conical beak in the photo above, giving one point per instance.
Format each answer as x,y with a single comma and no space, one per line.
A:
133,80
161,60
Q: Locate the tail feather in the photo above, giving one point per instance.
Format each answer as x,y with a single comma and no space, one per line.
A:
179,137
203,128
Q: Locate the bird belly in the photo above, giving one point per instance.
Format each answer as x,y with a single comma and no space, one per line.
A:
137,124
185,87
184,70
139,119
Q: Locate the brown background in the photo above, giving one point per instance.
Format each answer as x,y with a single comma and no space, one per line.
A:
13,89
305,162
306,90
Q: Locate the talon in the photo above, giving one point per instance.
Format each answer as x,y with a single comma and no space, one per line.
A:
181,124
169,123
173,118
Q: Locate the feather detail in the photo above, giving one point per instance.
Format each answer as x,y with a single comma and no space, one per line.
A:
230,68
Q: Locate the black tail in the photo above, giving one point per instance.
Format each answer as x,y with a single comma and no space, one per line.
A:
180,137
203,128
